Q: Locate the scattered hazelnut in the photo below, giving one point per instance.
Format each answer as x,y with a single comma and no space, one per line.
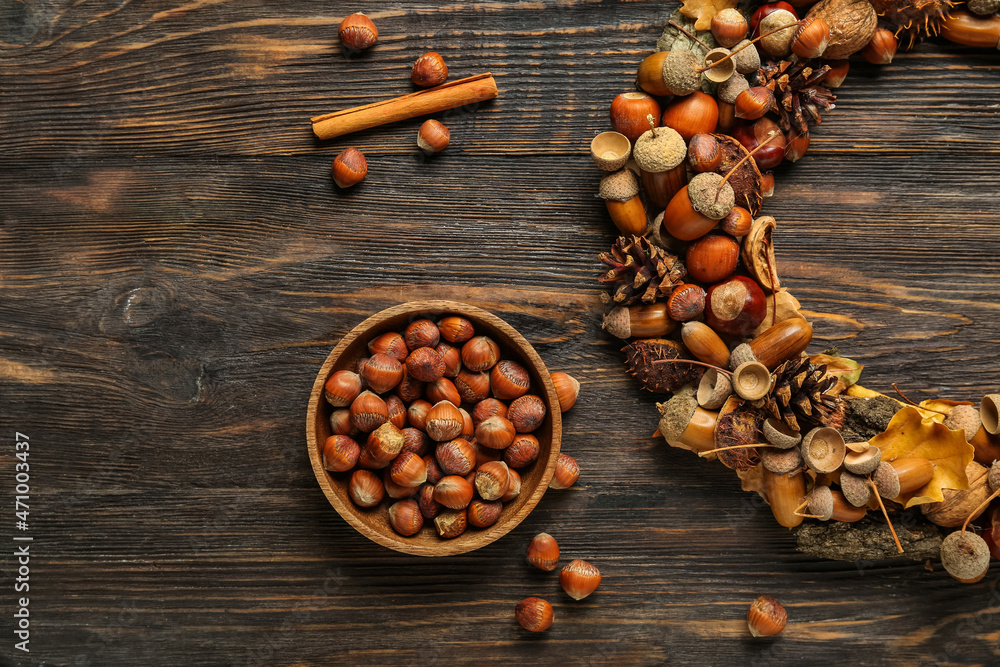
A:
429,70
579,579
566,472
349,168
543,552
357,32
534,614
433,136
766,617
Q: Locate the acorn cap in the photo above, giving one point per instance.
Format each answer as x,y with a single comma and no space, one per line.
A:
821,502
862,460
680,72
714,389
780,434
707,199
618,323
989,412
965,418
886,480
965,555
855,489
659,149
731,87
741,354
752,380
677,412
781,461
610,150
620,185
823,449
747,59
721,72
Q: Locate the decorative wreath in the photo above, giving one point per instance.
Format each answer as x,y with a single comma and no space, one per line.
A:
694,289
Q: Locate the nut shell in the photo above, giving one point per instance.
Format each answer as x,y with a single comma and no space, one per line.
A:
422,333
856,489
779,43
610,150
754,102
747,58
766,617
492,480
823,449
729,27
965,556
451,523
781,461
472,386
382,372
730,89
852,25
811,38
483,513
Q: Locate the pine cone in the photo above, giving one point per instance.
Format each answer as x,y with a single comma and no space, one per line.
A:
643,271
797,93
913,18
799,395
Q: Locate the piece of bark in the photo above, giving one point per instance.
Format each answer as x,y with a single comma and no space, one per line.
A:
870,539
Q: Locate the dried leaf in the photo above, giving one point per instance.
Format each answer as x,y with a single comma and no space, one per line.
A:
672,38
787,307
753,479
746,181
910,434
703,11
941,405
847,371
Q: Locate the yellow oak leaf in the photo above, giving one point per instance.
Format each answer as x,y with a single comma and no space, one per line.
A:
703,11
912,434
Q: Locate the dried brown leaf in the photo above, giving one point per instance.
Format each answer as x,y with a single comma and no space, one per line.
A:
703,11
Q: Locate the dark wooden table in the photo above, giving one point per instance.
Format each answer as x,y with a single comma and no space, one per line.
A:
175,264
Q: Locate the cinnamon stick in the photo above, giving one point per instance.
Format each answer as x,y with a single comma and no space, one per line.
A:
446,96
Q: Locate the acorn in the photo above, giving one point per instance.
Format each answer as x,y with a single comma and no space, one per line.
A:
643,320
705,344
784,495
683,423
696,209
754,102
620,192
783,341
649,76
729,27
965,556
766,617
681,74
747,58
886,480
659,154
983,7
964,418
781,461
823,449
726,96
567,390
629,112
685,302
610,150
820,501
912,472
780,434
855,488
882,47
712,258
845,512
811,38
692,114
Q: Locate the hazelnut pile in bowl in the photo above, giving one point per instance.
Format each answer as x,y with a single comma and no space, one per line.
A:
434,427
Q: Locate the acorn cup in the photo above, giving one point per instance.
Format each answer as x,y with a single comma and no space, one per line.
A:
620,192
660,154
610,150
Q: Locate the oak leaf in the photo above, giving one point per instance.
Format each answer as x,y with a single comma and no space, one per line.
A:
911,434
703,11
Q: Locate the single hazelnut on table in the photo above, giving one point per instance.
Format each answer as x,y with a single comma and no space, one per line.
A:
357,32
429,70
543,552
567,389
579,579
766,617
534,614
349,168
433,136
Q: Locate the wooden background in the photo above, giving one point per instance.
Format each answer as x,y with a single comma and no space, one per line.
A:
175,264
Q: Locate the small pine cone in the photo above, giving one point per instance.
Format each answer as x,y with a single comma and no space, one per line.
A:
641,271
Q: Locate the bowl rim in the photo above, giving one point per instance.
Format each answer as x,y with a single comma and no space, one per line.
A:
471,540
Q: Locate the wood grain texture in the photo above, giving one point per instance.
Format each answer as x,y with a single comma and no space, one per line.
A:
175,264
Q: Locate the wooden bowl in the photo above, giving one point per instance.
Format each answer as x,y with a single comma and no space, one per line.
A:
373,523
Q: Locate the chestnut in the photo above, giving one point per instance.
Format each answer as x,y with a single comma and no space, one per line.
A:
712,258
692,114
629,111
735,307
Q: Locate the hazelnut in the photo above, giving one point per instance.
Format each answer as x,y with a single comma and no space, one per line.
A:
397,411
579,579
365,488
766,617
566,472
405,517
472,386
509,380
526,413
487,408
357,32
543,552
390,343
495,432
429,70
444,421
341,424
513,488
433,136
340,453
754,102
567,390
492,479
534,614
522,452
368,412
729,27
629,112
425,364
483,513
414,440
417,413
342,388
452,357
429,508
422,333
456,457
408,469
480,353
451,523
382,372
349,168
455,329
442,389
453,492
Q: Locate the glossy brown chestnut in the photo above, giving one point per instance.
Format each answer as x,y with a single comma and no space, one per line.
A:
629,111
712,258
736,306
704,153
692,114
